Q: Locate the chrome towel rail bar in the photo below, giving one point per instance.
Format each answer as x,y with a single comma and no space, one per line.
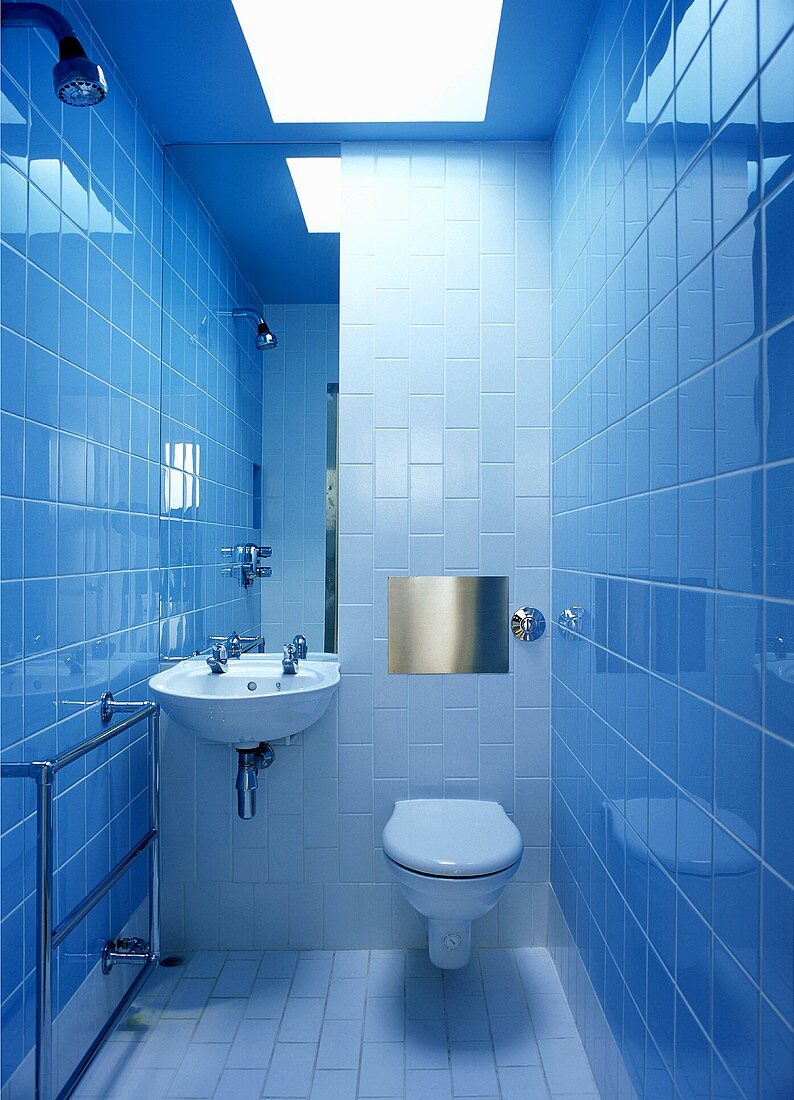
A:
48,935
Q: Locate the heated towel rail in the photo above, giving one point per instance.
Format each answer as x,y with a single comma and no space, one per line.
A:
50,936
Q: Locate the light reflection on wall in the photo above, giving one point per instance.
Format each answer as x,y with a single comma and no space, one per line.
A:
181,478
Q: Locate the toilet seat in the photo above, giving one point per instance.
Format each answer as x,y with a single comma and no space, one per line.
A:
452,838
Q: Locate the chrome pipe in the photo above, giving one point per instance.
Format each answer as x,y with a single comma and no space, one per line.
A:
154,828
81,911
44,946
249,761
69,757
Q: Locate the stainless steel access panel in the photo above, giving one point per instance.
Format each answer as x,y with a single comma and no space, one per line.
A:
448,624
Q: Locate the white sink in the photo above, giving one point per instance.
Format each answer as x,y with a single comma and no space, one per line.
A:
252,701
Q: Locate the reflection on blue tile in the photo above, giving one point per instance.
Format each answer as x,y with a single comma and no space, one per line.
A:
780,394
777,918
780,531
737,779
778,821
738,671
738,407
779,261
739,535
696,534
779,658
736,1020
777,117
696,747
737,287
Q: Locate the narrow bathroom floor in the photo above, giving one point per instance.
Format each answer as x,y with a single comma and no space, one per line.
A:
345,1025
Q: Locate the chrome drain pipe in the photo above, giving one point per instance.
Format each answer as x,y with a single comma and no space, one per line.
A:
249,761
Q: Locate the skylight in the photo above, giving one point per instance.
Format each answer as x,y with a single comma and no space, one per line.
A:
318,181
373,60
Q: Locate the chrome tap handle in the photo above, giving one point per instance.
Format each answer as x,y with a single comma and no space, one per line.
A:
301,646
234,645
219,657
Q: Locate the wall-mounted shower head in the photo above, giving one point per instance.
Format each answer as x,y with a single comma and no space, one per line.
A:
78,81
264,337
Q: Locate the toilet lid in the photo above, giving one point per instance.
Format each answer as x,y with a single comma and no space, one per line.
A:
459,838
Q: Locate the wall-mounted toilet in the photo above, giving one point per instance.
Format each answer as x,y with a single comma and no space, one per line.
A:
452,858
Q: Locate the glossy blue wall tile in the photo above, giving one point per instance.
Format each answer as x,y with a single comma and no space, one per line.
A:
693,144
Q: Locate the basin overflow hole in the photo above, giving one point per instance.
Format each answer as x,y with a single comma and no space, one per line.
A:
252,685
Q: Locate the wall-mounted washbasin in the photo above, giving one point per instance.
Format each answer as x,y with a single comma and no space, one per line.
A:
253,701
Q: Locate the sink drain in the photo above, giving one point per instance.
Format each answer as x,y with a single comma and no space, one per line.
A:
252,685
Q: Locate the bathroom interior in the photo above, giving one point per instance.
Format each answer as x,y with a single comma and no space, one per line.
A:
397,549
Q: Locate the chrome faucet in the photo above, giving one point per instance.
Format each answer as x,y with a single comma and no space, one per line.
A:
301,646
219,658
234,646
289,662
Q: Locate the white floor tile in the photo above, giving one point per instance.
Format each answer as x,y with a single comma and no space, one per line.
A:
189,998
312,976
302,1020
340,1045
346,998
428,1084
551,1016
334,1084
291,1070
204,964
467,1020
522,1082
566,1067
382,1069
268,998
253,1045
166,1046
425,997
350,964
384,1020
386,974
278,964
151,1083
219,1020
426,1044
514,1041
473,1069
200,1071
240,1084
236,978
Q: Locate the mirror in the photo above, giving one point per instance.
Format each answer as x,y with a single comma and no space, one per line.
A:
262,472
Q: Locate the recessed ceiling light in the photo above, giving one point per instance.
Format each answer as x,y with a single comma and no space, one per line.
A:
318,181
373,60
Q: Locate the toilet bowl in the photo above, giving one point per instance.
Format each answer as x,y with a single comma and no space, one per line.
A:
452,859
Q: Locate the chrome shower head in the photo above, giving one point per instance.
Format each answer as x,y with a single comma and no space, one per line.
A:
264,337
78,82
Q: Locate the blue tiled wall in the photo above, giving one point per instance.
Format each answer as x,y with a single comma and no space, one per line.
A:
673,716
80,474
296,378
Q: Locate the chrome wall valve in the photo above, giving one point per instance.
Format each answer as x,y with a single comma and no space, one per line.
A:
528,624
